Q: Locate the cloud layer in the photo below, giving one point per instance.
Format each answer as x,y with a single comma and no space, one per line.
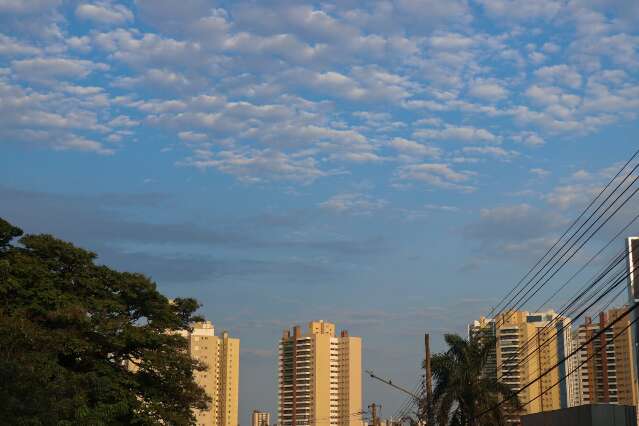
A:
288,92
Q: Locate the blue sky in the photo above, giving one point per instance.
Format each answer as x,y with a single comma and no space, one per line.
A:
393,166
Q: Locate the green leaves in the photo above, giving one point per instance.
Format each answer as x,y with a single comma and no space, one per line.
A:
70,330
7,233
462,388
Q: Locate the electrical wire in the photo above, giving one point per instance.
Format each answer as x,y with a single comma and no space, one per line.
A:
564,234
591,339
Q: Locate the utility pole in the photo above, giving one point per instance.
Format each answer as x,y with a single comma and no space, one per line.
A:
428,382
374,417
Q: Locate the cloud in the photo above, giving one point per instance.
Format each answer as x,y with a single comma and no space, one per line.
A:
539,172
515,230
104,13
352,203
457,133
414,150
522,10
48,70
487,90
493,151
102,222
295,93
562,74
254,165
10,46
438,175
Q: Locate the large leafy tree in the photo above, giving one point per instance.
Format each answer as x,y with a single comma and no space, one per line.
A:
82,344
464,394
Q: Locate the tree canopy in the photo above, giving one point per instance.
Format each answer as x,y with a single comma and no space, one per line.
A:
83,344
464,394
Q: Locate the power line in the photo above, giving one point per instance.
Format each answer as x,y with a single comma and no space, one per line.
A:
566,312
561,328
583,362
582,244
564,234
537,286
591,339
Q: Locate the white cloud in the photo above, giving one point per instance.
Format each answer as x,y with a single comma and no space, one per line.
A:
438,175
10,46
561,74
104,13
539,172
414,149
458,133
523,9
353,203
48,70
82,144
193,136
253,166
493,151
490,91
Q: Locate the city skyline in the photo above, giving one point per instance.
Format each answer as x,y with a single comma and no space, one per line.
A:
393,166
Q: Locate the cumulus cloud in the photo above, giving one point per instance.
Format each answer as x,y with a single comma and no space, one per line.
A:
104,13
493,151
353,203
457,133
414,149
48,70
487,90
436,175
519,229
301,92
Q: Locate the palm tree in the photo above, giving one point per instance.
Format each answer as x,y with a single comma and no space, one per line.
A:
465,392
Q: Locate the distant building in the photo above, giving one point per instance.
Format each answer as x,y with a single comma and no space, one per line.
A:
526,345
485,329
320,377
607,373
260,418
632,250
221,381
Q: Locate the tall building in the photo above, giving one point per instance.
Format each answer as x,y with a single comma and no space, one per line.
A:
530,344
260,418
320,377
221,354
485,329
632,250
607,372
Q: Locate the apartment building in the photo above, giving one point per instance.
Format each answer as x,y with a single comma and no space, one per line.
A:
608,370
221,381
320,377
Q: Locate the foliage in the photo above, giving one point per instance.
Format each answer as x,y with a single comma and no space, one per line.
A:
464,395
82,344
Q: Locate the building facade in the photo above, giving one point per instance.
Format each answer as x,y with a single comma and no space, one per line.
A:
606,375
485,329
529,345
320,377
260,418
221,354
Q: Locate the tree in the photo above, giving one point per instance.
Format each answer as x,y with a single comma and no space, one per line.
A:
464,395
82,344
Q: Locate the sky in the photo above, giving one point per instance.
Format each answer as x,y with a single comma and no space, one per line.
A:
391,166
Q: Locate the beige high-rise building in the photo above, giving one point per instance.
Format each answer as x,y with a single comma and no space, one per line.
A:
529,344
260,418
221,381
320,377
608,370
